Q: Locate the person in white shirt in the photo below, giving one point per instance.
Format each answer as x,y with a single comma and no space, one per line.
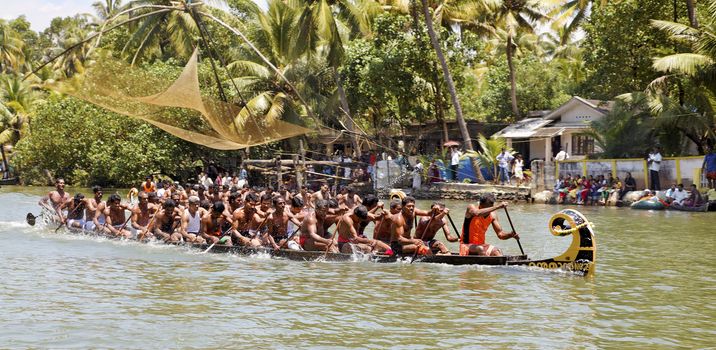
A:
454,162
679,195
503,160
561,155
654,162
417,175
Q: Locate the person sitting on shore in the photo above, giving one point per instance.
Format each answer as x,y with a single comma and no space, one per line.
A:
695,199
670,193
629,185
680,195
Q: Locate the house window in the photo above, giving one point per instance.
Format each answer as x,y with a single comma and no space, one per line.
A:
583,145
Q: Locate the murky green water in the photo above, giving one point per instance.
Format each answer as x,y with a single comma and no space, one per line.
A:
654,288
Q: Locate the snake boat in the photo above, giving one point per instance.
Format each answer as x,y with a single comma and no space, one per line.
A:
579,258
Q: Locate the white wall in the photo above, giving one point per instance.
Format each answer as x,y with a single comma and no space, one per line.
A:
579,113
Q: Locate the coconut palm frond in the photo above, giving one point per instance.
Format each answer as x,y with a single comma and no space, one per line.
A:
686,63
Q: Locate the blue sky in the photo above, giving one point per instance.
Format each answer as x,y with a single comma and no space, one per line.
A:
41,12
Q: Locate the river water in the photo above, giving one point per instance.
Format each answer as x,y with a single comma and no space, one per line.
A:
653,288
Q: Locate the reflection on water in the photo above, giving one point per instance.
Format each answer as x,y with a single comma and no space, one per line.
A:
653,288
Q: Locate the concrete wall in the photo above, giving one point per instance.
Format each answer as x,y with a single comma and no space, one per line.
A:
537,148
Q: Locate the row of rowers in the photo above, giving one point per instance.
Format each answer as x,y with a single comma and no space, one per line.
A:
298,221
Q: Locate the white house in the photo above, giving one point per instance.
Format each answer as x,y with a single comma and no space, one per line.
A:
541,138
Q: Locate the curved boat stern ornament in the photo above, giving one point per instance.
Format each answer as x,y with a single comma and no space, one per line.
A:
581,255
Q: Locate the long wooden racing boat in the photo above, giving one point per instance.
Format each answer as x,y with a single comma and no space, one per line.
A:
579,258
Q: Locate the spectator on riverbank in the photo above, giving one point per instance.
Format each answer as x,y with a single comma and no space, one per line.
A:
503,161
434,173
695,199
709,167
654,162
561,155
629,185
454,162
517,166
670,193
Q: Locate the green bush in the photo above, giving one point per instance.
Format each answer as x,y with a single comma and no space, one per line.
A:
88,145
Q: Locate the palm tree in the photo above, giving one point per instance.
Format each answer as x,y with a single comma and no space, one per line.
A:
107,9
569,15
11,49
159,31
267,93
17,99
513,17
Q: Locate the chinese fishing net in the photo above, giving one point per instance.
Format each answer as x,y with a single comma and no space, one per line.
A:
177,107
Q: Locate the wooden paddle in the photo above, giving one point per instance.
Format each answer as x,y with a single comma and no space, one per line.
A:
421,236
30,218
513,230
219,240
459,233
325,255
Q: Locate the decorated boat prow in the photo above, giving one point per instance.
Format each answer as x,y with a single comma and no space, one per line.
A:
581,255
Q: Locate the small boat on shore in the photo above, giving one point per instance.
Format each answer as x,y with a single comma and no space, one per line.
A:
579,258
648,204
699,208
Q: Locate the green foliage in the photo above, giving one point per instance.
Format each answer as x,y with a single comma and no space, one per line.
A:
538,88
620,45
623,132
87,145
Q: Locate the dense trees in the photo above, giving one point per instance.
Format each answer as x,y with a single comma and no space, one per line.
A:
376,63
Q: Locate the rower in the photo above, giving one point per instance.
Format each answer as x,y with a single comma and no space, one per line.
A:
347,228
166,221
148,185
191,222
323,194
348,198
56,197
382,231
75,211
116,220
401,241
428,228
243,220
372,204
97,207
142,214
215,225
277,234
313,235
477,220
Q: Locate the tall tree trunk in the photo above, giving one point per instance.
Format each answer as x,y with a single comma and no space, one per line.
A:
513,83
439,111
344,105
691,8
451,87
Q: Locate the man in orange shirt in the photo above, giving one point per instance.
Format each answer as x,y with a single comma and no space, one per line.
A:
477,221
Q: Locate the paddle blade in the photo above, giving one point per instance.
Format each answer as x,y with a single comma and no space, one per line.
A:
30,219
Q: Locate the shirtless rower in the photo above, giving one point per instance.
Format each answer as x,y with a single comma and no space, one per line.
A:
277,233
401,241
372,203
382,228
142,214
56,197
116,219
166,222
245,221
191,222
349,198
97,207
324,194
313,235
428,228
215,226
348,238
477,220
